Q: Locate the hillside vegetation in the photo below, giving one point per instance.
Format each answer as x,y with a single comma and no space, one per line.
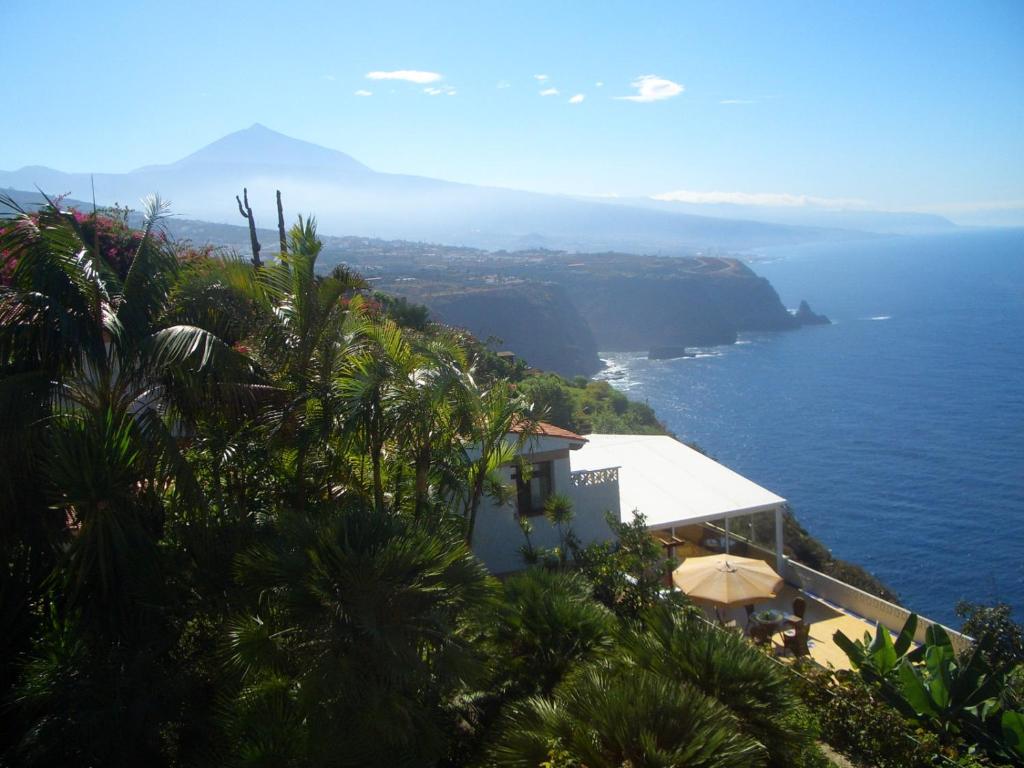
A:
237,505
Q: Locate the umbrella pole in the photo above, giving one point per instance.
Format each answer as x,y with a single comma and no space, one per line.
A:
727,535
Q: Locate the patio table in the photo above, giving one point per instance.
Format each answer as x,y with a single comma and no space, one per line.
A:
766,622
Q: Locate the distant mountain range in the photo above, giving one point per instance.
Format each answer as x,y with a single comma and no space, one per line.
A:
349,198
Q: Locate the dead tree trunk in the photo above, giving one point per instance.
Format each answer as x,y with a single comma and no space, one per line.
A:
247,214
280,225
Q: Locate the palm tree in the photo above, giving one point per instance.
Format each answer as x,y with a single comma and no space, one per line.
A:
546,624
308,328
497,428
667,642
610,716
109,382
98,387
355,642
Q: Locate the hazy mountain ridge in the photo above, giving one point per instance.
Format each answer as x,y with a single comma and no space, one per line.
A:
349,197
877,222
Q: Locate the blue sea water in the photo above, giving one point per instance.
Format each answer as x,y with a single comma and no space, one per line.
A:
897,434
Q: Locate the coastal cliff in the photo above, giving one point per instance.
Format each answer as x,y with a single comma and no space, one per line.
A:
688,310
536,321
557,310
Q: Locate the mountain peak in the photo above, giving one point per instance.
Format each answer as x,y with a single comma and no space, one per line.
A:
259,145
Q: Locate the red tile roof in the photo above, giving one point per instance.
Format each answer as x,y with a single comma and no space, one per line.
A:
547,430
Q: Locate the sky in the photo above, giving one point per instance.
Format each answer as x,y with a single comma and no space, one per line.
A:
885,105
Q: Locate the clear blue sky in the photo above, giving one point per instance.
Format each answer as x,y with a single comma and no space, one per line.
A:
899,104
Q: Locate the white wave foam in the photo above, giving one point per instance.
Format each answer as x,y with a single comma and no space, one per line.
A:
881,317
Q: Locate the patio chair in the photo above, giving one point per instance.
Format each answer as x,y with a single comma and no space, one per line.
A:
795,639
799,607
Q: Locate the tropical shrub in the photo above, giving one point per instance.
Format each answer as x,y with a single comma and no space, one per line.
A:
958,699
628,573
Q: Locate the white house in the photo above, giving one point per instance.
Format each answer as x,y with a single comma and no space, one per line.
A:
673,485
691,503
550,451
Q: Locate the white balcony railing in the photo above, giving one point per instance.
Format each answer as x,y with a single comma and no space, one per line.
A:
585,477
891,616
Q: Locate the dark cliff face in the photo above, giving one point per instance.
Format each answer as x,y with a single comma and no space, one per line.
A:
556,311
536,321
636,313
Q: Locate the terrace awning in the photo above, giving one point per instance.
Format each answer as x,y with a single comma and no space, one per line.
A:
671,483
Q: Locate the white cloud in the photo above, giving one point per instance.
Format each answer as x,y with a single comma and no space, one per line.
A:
549,92
774,199
504,84
442,90
653,88
329,78
577,99
540,78
599,84
363,92
738,101
409,75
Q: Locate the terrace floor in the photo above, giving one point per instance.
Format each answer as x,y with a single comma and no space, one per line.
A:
823,617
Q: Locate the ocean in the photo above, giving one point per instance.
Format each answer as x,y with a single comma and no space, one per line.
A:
897,433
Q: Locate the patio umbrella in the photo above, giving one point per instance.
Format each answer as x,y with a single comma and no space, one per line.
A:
727,579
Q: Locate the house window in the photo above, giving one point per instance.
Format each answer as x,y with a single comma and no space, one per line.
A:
532,493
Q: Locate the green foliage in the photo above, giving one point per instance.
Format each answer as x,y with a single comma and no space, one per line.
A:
723,665
628,573
611,716
236,504
407,314
588,406
955,698
545,624
856,721
993,627
356,640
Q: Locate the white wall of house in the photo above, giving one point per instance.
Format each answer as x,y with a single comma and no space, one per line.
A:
497,538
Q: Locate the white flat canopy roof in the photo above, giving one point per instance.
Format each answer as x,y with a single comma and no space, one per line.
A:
670,483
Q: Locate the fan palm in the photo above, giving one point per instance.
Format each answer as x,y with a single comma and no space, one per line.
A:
545,624
670,644
356,639
611,716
